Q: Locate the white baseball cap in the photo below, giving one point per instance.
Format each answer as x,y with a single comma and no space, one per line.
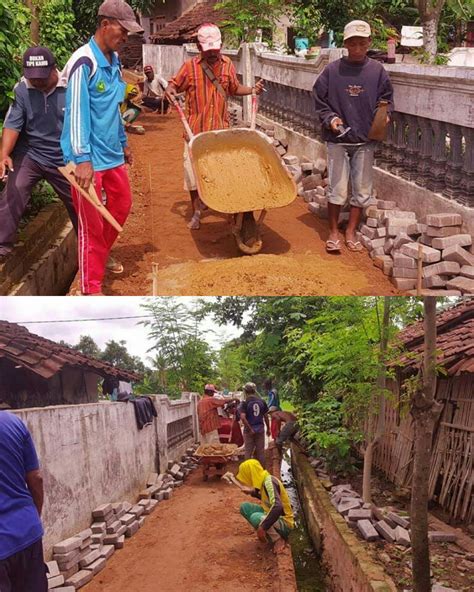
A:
209,37
357,29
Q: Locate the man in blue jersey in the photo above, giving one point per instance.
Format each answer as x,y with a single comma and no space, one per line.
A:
94,138
22,567
254,415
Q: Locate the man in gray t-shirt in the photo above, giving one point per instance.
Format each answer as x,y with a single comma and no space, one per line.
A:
31,148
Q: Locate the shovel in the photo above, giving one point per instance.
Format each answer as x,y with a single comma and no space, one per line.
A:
91,195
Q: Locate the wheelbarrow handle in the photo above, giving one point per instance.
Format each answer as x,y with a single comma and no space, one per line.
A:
253,116
182,116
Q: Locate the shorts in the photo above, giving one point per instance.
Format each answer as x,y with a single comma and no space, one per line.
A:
352,162
189,178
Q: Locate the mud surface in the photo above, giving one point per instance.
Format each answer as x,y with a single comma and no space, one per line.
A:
207,261
196,541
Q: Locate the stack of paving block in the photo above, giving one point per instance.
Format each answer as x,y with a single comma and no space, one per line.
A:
281,146
374,523
393,238
68,555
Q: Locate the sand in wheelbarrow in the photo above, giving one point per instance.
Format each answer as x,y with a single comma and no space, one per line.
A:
268,275
239,173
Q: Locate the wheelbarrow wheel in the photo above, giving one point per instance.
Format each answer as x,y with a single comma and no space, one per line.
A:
248,237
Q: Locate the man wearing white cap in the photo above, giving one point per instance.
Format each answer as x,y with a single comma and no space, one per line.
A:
208,80
347,94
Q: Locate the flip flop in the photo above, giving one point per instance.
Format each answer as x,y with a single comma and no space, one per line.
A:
355,246
333,246
114,266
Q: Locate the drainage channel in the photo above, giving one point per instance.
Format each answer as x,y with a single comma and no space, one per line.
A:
310,575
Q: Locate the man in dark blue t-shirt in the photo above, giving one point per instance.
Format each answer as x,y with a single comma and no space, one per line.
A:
347,93
22,567
254,415
30,142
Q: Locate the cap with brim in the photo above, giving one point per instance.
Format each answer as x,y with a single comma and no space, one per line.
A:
38,62
209,37
357,29
210,387
121,12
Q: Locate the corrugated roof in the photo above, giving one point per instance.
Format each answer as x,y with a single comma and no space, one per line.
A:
455,340
184,28
46,358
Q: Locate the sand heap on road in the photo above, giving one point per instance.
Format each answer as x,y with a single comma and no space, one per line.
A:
299,275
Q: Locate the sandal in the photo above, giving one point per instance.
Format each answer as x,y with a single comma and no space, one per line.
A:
333,246
114,266
354,246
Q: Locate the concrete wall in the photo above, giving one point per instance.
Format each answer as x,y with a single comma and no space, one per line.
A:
93,454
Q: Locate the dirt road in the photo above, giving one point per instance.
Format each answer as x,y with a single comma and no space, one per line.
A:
206,262
196,541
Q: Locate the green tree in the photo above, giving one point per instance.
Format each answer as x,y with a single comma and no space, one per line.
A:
14,39
88,347
244,17
116,353
177,343
86,14
57,29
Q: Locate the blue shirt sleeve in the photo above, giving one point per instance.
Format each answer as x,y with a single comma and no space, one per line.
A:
78,103
15,117
321,99
30,458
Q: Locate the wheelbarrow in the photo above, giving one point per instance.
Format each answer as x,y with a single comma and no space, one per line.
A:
239,173
215,461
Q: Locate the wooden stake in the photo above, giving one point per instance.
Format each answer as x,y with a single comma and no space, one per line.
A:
419,270
154,275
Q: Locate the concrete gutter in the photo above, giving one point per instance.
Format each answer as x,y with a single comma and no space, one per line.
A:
44,262
347,558
286,578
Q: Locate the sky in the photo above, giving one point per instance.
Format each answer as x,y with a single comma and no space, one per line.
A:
52,308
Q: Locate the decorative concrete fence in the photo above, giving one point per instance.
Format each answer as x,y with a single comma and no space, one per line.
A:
94,454
429,151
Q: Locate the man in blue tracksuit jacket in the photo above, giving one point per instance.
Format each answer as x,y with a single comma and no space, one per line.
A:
94,139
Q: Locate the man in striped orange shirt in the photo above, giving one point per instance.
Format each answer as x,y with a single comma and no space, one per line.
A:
208,80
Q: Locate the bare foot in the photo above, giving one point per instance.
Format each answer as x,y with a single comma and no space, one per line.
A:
279,546
195,223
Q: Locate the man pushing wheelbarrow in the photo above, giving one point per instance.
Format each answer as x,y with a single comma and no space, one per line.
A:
208,80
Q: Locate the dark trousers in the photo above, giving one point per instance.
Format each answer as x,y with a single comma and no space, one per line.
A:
17,192
24,571
155,103
254,446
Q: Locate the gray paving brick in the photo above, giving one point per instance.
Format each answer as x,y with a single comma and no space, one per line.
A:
401,239
107,551
368,232
400,260
399,215
53,569
404,272
442,268
467,271
55,581
400,520
359,514
463,240
434,281
428,255
458,254
417,228
385,531
113,527
120,542
132,529
81,578
367,530
386,204
435,231
464,284
102,511
348,504
111,539
402,536
137,510
440,220
98,527
97,566
439,536
403,283
67,545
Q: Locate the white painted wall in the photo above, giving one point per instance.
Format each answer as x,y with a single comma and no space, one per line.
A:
93,454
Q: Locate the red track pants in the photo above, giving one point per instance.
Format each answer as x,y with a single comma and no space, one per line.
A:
96,236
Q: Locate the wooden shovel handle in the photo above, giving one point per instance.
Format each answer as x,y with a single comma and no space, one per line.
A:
91,195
